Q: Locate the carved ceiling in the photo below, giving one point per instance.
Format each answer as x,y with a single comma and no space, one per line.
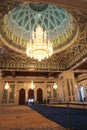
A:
13,61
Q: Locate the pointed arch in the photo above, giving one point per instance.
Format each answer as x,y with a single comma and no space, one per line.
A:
30,94
21,96
40,95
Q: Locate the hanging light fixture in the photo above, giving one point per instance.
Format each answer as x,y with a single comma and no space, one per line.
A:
6,86
55,86
32,85
39,47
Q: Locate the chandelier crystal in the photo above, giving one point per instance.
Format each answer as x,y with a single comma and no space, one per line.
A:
39,47
6,86
55,86
32,85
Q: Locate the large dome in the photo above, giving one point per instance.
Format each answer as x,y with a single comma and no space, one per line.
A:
20,21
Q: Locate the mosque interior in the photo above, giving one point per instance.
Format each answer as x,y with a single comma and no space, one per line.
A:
64,25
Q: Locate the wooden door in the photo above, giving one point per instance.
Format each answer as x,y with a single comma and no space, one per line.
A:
22,97
40,95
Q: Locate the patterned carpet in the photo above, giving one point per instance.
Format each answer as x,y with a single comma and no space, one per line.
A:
24,118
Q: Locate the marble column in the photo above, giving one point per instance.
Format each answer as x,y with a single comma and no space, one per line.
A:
1,87
69,85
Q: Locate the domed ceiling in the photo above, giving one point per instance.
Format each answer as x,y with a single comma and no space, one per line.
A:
20,21
66,26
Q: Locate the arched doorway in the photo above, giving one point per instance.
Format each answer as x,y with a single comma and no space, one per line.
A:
40,95
31,95
22,97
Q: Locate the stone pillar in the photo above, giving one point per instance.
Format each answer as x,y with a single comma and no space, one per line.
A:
52,92
35,93
1,87
59,90
16,93
45,91
26,86
69,85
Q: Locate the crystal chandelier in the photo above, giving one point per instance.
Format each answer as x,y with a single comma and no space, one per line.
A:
32,85
39,47
6,86
55,86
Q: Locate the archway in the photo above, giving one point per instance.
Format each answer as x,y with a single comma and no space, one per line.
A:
31,95
39,95
22,97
